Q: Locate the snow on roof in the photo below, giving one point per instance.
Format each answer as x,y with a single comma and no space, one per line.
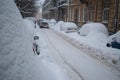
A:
63,5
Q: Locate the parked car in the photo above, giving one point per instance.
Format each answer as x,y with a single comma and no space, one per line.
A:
89,28
43,24
36,48
114,41
69,27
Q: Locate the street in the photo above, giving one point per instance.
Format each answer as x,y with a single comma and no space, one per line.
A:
83,65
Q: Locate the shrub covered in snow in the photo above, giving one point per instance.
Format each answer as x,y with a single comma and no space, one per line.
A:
89,28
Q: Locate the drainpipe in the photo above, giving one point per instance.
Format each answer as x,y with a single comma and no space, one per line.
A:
116,15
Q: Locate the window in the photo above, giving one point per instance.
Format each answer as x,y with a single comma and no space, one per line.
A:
119,21
72,14
79,15
119,12
84,14
106,8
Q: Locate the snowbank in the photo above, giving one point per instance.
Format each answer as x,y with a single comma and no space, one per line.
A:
52,22
17,60
59,25
30,23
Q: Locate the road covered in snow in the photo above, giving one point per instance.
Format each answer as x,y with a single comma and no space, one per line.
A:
76,64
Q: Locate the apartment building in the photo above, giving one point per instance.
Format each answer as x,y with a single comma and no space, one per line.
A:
83,11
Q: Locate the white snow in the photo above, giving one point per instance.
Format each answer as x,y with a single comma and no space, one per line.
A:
69,26
59,72
59,25
117,36
82,64
93,41
52,22
17,60
94,28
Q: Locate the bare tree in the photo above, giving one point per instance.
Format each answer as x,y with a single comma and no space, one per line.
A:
26,7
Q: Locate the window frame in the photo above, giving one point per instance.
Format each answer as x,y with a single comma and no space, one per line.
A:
106,10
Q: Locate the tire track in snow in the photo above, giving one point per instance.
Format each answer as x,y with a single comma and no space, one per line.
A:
59,53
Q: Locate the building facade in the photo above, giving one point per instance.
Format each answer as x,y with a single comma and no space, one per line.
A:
83,11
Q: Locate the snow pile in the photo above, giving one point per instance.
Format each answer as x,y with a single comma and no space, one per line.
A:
30,23
17,60
59,25
89,28
31,18
45,20
94,43
52,22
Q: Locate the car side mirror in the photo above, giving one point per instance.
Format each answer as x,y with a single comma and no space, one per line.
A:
36,37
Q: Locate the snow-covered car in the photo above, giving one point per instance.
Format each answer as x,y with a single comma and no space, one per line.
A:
53,21
36,48
69,27
89,28
114,41
43,23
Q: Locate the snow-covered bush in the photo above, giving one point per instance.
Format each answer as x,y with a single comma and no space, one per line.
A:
69,26
89,28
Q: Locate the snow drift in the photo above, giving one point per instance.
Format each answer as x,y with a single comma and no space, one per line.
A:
17,60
